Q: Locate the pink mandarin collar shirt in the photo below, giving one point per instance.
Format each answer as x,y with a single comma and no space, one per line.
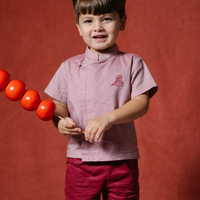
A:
91,85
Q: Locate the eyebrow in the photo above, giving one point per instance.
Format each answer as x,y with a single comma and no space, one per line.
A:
91,15
85,18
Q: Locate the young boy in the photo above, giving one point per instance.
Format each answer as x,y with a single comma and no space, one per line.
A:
100,93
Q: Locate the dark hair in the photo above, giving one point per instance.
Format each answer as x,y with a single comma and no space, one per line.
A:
98,7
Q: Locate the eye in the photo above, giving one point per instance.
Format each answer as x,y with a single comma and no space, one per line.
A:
88,21
107,19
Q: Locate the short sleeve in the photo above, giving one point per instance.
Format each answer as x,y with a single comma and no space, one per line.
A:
57,88
141,79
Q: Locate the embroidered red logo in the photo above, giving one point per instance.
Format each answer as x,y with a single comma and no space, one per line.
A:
118,82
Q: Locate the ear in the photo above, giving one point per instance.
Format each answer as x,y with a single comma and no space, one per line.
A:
123,23
79,29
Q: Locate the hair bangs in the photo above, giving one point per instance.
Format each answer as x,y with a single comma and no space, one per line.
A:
98,7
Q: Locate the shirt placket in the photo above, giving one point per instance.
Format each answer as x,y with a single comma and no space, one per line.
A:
84,79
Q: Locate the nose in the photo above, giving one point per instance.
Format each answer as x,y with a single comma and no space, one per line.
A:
98,26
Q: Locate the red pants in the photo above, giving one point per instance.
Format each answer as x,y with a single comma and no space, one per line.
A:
114,179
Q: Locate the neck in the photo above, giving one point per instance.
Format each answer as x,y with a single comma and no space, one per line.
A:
99,52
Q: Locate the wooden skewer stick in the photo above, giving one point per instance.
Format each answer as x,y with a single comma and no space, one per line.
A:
64,119
59,116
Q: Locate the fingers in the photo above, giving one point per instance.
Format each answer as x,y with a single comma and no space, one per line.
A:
68,127
93,132
93,135
98,135
96,127
90,134
68,122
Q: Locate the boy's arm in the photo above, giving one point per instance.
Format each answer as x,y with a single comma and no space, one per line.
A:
130,111
67,126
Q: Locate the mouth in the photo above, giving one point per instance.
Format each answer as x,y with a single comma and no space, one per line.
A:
99,36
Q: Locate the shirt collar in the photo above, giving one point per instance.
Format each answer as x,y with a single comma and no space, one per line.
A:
92,56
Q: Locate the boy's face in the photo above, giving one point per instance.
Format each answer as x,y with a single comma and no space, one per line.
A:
100,32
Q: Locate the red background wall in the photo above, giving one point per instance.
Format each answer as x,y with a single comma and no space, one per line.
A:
37,35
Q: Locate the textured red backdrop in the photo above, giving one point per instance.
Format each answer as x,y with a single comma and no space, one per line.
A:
37,35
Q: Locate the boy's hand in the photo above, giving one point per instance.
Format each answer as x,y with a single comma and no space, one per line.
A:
68,127
130,111
96,127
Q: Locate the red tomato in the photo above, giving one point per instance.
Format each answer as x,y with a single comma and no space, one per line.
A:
30,100
4,79
45,110
15,89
